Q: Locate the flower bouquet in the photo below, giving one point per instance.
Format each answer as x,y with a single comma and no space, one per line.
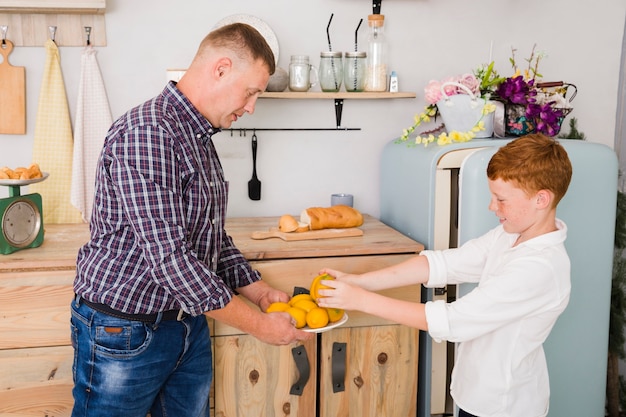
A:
463,103
532,106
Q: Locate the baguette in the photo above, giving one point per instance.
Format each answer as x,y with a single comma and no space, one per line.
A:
335,217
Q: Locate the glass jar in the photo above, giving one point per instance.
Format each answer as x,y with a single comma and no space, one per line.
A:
376,75
330,71
354,66
300,73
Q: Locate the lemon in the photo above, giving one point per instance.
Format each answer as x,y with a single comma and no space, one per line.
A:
277,306
299,297
316,286
334,314
306,305
317,317
299,315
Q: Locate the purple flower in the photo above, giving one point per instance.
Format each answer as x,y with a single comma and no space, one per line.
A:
546,117
517,91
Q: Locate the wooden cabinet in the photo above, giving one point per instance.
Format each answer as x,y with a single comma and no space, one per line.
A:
250,378
375,360
35,350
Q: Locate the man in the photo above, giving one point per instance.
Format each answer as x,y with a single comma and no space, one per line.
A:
158,259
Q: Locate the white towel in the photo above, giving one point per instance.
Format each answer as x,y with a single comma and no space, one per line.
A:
52,146
93,119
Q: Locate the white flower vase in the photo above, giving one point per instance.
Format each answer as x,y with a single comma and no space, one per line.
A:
461,112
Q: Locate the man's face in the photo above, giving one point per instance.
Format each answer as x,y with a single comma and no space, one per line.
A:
239,90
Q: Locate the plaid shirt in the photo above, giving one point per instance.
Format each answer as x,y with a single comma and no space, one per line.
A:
157,230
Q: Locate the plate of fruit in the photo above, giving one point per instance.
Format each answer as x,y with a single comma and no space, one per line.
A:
305,312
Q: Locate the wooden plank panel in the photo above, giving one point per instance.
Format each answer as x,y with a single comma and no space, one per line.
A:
254,378
32,29
381,372
32,316
287,274
36,382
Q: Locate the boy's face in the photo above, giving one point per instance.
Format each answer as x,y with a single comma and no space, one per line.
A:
516,210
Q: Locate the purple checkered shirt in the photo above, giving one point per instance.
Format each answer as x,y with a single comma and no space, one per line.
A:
157,230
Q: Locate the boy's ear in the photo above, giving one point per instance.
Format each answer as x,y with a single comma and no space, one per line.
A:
544,199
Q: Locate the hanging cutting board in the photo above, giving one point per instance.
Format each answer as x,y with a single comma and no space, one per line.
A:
12,94
310,235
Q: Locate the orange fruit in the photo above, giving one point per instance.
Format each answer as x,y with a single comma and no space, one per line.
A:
317,317
299,297
334,314
299,316
316,286
306,305
277,306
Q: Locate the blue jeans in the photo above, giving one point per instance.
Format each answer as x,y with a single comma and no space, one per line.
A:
129,368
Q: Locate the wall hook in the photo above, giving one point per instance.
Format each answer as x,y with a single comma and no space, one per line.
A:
88,32
4,29
53,32
376,5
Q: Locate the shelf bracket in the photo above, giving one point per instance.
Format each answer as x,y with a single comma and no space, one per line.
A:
338,110
376,6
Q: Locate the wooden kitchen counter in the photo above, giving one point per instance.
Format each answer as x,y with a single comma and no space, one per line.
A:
57,252
36,289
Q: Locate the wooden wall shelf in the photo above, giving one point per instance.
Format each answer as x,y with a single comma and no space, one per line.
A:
365,95
337,97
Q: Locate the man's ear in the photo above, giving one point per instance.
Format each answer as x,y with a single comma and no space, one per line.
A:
222,67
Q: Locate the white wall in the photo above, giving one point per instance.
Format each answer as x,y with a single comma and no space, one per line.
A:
429,39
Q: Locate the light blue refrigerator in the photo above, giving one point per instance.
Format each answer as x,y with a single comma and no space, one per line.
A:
438,195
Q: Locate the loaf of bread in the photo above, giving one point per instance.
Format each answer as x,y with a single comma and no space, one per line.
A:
335,217
288,224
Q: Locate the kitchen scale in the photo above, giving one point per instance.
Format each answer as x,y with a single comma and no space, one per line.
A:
21,218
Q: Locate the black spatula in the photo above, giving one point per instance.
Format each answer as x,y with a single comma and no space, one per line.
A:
254,185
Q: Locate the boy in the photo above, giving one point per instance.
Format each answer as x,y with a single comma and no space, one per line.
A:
523,276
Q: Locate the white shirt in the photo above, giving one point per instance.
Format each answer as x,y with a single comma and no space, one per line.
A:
500,368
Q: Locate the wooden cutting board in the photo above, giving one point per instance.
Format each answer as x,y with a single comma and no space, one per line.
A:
310,235
12,94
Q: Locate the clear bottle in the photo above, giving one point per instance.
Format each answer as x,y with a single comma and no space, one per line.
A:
376,76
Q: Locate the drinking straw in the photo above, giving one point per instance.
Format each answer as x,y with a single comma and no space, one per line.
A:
330,49
356,49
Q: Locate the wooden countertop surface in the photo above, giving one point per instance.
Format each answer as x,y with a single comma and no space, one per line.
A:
62,241
377,239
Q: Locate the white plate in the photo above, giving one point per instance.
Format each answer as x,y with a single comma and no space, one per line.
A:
329,327
24,182
263,28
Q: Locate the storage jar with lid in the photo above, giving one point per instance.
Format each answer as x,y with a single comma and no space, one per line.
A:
354,66
330,71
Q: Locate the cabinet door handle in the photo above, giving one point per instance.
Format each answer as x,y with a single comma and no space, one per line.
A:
302,364
338,366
